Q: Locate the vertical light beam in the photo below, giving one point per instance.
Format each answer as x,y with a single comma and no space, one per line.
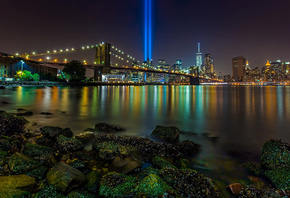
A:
147,30
150,31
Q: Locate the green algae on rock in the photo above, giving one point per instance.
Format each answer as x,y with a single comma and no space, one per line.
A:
117,185
64,177
161,163
153,186
20,163
275,154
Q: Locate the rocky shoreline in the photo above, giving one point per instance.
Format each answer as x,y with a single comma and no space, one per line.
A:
51,162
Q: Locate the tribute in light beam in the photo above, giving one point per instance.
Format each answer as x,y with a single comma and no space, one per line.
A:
147,30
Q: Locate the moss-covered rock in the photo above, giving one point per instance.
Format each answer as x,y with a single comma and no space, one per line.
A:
67,132
161,163
22,182
10,125
51,131
9,144
93,183
14,193
146,172
117,185
279,177
78,164
104,127
254,192
80,194
189,183
66,144
38,152
3,155
85,137
107,150
153,186
126,164
65,178
188,147
168,133
49,191
38,173
19,163
275,154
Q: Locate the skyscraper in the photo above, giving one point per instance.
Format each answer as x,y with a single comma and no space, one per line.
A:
238,66
198,57
209,66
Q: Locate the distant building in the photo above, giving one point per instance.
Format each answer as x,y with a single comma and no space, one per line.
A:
252,75
209,66
198,57
9,65
161,64
220,76
238,68
179,64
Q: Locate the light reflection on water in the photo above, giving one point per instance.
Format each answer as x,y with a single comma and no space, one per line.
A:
242,117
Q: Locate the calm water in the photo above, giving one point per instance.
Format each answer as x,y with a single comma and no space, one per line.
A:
241,117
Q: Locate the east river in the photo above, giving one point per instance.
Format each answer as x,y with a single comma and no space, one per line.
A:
230,122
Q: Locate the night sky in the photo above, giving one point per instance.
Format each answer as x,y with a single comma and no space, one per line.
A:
256,29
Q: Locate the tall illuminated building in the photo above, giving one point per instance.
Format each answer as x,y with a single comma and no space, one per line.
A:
238,66
198,57
209,66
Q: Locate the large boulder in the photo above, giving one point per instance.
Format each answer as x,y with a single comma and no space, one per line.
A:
65,178
275,155
117,185
168,133
38,152
10,125
126,164
188,183
67,144
153,186
19,163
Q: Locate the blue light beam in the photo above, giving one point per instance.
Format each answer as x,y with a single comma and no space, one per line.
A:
147,30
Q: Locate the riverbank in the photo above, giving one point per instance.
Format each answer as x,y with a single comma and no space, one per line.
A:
50,162
4,84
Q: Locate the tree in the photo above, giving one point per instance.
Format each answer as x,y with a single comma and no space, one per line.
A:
76,70
36,77
24,75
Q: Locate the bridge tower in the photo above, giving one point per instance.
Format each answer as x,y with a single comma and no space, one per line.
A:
103,61
194,80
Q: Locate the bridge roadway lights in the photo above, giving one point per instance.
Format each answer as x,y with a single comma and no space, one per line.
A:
194,80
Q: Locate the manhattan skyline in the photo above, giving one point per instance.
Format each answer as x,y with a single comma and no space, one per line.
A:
256,30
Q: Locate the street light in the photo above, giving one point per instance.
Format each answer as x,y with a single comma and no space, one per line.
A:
22,62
